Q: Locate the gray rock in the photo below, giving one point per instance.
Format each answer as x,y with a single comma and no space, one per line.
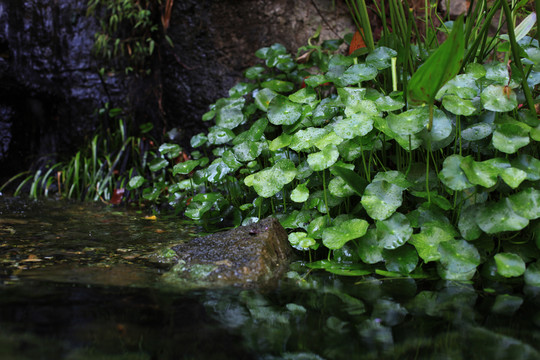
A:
253,255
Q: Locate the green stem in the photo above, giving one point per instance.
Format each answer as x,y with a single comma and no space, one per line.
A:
326,196
515,54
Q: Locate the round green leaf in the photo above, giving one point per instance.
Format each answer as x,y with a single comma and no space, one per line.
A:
526,203
477,132
442,127
278,85
369,248
513,177
497,217
170,150
282,111
387,103
300,240
358,73
316,226
355,125
494,98
336,236
509,138
479,173
452,175
247,151
394,231
271,180
401,260
254,72
136,182
229,117
328,139
198,140
338,187
263,98
532,274
467,223
427,241
218,135
305,139
509,265
201,203
158,164
304,96
529,164
280,142
323,159
381,57
458,106
459,256
409,122
463,86
381,199
300,193
185,167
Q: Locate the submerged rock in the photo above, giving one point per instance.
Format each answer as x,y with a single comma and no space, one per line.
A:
253,255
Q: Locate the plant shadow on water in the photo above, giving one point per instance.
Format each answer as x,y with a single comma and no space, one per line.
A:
77,283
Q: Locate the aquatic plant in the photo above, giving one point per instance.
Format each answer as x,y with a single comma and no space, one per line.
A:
368,176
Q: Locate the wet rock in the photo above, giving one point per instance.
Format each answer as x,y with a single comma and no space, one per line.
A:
253,255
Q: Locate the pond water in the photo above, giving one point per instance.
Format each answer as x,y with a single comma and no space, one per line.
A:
85,282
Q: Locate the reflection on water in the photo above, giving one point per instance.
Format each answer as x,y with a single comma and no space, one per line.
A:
77,283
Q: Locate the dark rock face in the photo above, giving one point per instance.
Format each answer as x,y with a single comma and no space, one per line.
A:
50,88
250,255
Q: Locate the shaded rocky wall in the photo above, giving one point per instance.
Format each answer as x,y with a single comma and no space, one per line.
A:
50,88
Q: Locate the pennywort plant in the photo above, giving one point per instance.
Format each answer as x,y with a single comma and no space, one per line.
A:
360,179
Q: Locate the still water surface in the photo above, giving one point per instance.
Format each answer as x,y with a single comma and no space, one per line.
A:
83,282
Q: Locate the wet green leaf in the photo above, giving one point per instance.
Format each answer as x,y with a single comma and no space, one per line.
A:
171,151
479,173
401,260
281,111
463,86
323,159
158,164
394,231
458,106
509,138
338,187
387,103
315,80
477,132
532,274
218,135
467,223
304,96
280,142
441,129
452,175
278,85
529,164
316,227
136,182
509,265
198,140
336,236
248,151
369,248
185,167
214,172
494,98
358,73
201,203
254,72
458,257
241,89
476,70
301,240
355,181
263,98
381,57
513,177
497,217
305,139
353,126
526,203
409,122
300,193
229,113
328,139
427,241
393,177
269,181
381,199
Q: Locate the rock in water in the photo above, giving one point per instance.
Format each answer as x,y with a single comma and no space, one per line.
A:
253,255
